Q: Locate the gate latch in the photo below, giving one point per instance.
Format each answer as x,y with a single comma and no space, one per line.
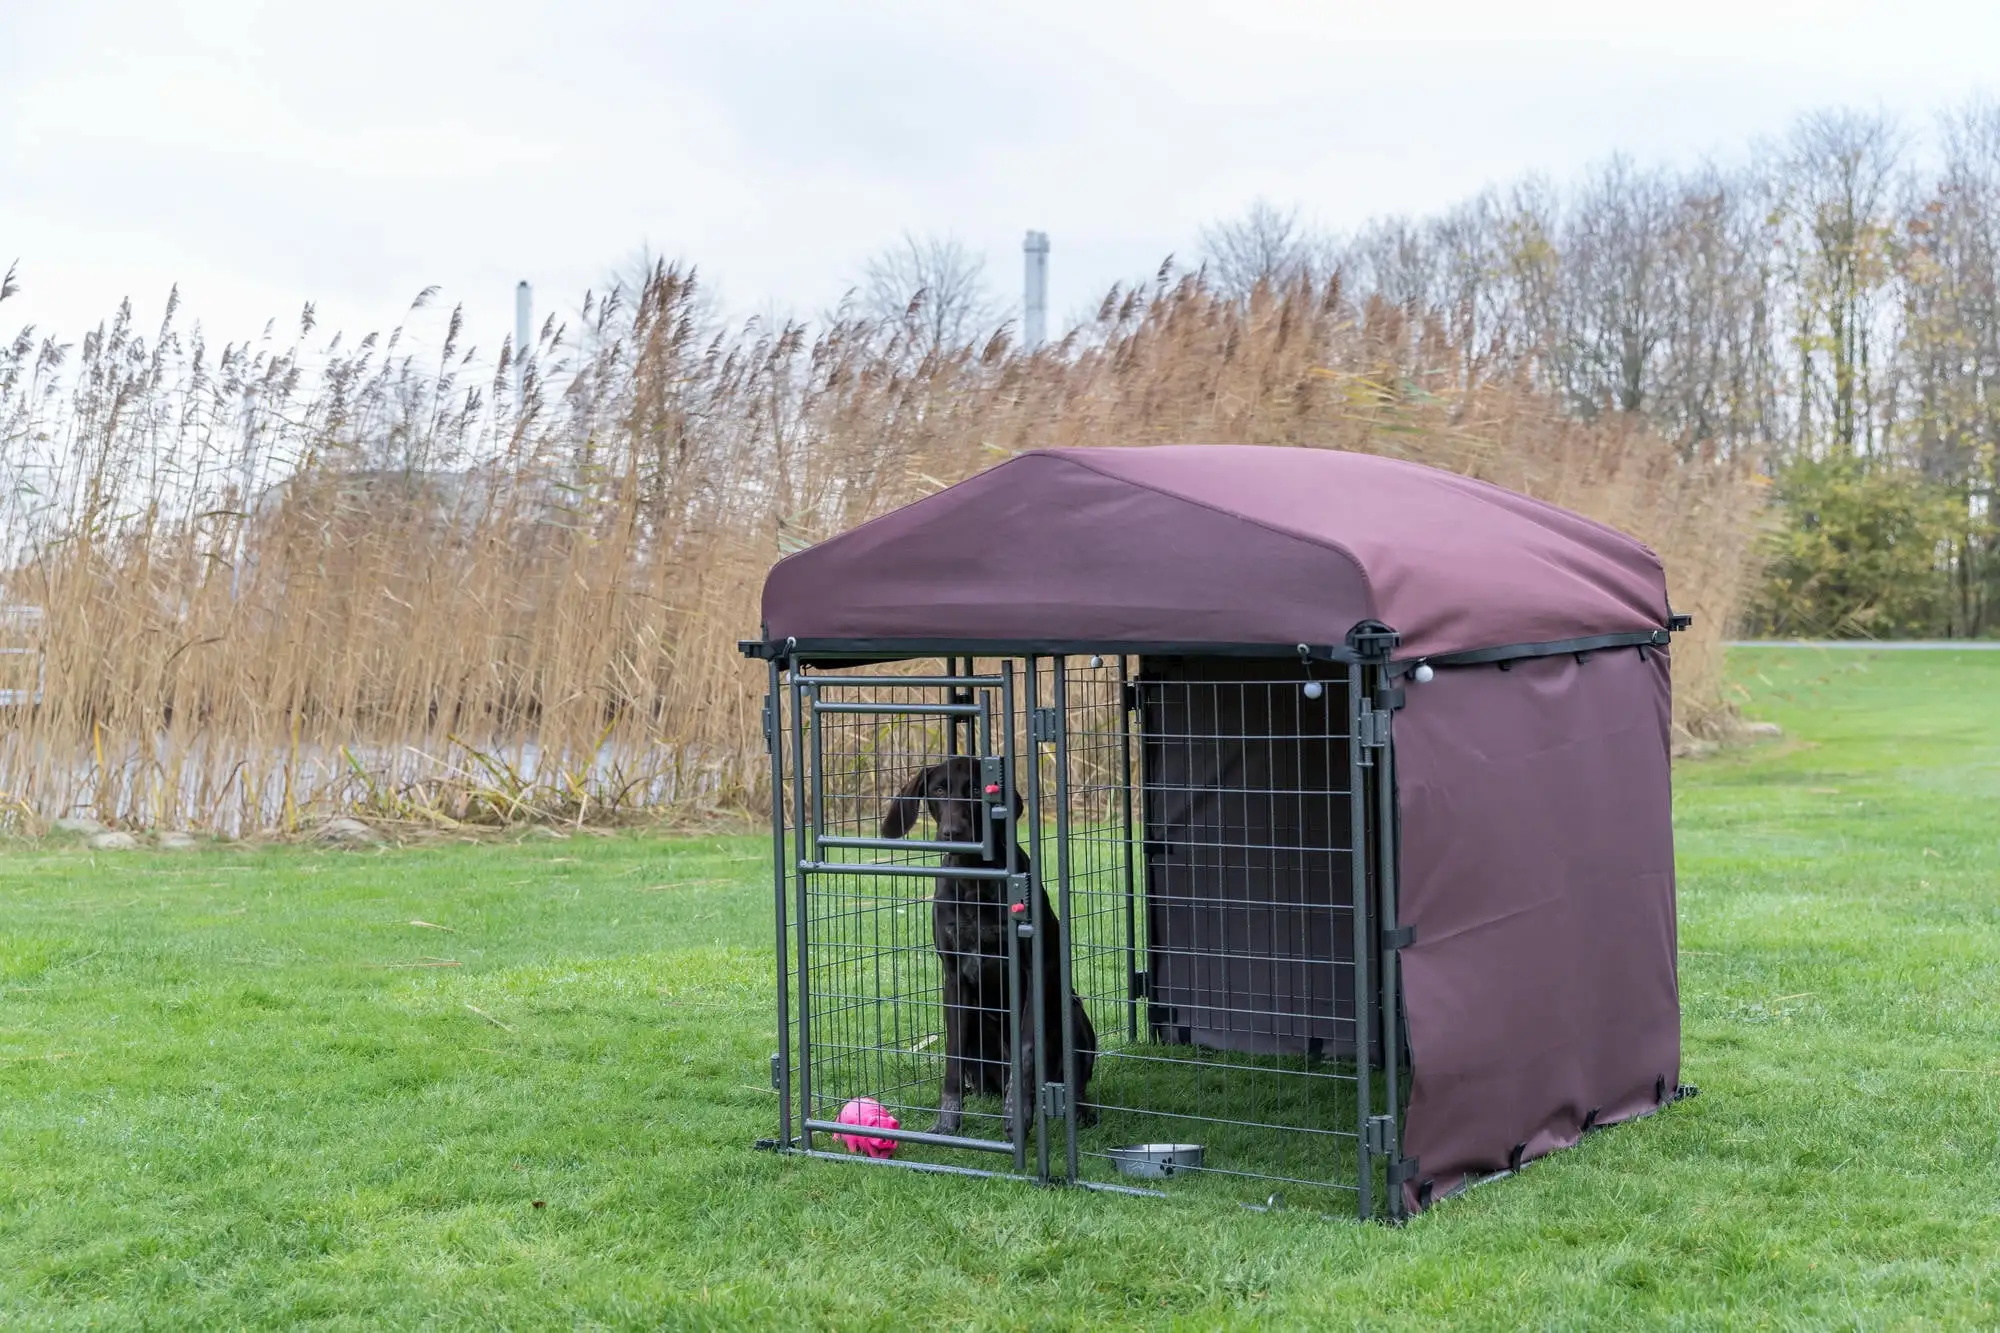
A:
994,808
1055,1100
1381,1133
1044,726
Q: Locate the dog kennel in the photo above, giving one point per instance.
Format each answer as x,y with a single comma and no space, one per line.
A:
1345,782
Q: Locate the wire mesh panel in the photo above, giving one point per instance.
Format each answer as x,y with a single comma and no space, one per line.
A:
904,991
1156,948
1213,929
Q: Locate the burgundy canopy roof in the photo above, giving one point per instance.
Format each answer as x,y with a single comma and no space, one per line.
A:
1214,546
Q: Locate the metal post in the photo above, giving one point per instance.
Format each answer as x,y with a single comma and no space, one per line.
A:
798,689
1035,290
966,668
951,723
1131,874
1036,1008
1358,888
1016,1126
1385,860
1060,699
775,720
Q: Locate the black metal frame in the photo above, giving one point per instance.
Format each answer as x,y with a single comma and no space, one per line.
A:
856,974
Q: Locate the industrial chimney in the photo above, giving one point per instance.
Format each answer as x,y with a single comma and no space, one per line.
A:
1035,291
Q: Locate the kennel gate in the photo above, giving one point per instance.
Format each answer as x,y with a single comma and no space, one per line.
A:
1216,839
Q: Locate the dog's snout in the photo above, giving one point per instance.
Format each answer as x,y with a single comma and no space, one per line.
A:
959,817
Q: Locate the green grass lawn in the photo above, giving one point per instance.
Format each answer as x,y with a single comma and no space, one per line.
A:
239,1088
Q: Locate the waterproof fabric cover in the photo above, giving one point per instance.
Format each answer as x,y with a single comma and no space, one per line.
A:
1222,545
1538,871
1536,847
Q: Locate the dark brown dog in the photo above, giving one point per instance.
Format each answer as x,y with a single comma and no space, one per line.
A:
969,924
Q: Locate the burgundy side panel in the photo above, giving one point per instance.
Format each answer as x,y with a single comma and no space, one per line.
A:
1538,872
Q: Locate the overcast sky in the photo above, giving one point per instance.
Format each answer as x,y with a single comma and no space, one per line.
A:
350,153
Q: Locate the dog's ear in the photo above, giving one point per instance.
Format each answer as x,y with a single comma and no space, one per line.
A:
902,813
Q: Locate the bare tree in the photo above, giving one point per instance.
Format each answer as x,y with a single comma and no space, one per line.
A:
1637,291
1391,260
1838,177
1263,246
932,287
1622,277
1949,267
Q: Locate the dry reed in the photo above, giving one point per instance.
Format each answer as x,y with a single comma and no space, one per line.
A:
279,585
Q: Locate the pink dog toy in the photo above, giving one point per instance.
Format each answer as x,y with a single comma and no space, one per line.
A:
869,1114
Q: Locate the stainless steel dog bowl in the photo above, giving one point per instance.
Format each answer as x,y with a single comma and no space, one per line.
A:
1156,1161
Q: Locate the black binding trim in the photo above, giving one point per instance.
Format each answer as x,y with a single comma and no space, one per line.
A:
1590,1121
862,652
1367,642
1513,652
1514,1157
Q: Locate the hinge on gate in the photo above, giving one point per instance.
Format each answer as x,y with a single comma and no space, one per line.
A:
1044,726
1399,937
1381,1133
777,1078
1055,1100
770,724
1374,729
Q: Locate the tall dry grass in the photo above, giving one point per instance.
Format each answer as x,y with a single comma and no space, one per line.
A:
285,580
